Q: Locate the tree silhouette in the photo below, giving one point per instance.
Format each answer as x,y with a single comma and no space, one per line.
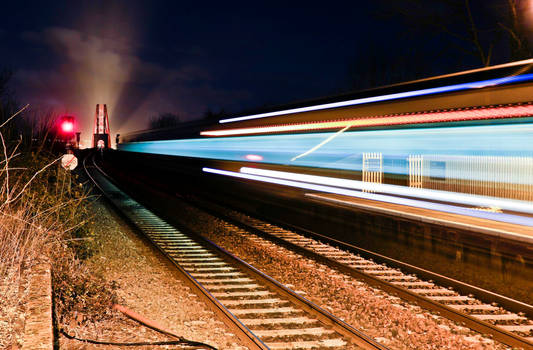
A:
164,120
212,115
472,29
443,35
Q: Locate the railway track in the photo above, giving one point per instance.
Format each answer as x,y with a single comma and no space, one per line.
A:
453,299
262,312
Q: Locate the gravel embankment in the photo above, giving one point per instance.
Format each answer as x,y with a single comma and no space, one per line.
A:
145,284
13,299
388,319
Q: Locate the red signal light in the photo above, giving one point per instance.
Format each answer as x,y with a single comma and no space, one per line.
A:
67,126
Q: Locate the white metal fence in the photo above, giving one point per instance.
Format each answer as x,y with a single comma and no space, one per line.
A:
507,177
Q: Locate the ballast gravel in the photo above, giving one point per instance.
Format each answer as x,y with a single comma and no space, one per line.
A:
388,319
147,285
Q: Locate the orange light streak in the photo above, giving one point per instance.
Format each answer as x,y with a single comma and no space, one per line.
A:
515,111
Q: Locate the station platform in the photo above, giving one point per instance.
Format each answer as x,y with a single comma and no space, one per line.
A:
501,230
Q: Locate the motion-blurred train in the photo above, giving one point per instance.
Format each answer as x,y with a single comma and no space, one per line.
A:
469,132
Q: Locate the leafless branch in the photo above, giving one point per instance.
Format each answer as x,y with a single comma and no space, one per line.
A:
6,167
14,115
30,181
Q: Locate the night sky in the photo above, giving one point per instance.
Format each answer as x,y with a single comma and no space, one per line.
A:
146,58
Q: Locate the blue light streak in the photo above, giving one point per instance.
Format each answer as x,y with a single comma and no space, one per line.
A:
389,97
345,151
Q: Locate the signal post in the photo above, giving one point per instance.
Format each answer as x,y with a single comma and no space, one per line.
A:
101,135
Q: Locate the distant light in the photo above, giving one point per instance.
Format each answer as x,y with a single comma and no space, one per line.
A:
516,111
67,126
515,219
388,97
254,157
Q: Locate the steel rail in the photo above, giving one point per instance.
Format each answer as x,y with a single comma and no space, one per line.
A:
246,335
242,332
324,316
473,323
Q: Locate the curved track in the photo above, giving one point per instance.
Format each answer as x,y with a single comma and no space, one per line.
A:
262,312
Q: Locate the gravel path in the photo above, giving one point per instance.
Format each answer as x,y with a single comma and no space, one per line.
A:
147,285
388,319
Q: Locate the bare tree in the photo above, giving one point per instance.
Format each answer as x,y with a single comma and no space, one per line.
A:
515,27
214,115
8,104
472,29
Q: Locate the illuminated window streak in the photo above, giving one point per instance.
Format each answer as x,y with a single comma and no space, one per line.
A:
388,97
418,118
514,219
444,196
254,157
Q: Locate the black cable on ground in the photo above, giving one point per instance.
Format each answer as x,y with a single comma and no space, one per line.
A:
183,342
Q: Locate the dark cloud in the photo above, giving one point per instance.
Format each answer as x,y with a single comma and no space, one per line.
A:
142,58
91,69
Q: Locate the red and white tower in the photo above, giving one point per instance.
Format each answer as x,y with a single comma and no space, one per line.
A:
101,136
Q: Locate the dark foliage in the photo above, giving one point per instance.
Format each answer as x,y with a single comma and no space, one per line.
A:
212,115
164,120
457,35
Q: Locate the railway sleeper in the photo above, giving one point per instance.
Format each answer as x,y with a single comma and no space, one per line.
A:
525,331
187,260
295,335
259,306
360,264
327,343
182,244
433,291
213,263
380,272
256,294
253,302
280,311
398,278
215,269
259,323
414,284
501,319
225,280
452,299
476,308
234,287
219,274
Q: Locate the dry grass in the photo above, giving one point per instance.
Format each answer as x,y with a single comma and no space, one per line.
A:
20,246
43,216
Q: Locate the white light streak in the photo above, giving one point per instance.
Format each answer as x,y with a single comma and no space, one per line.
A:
515,219
444,196
387,97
